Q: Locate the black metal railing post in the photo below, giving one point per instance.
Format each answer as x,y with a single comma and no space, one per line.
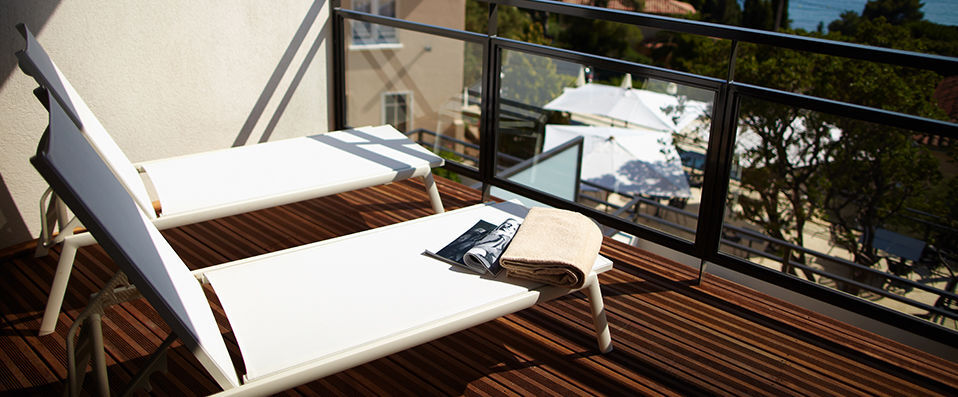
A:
339,67
718,166
489,103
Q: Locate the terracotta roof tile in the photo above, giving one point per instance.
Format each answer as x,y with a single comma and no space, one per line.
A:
667,7
947,96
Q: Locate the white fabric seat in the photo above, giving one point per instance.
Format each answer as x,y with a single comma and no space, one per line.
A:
204,186
394,289
317,309
297,169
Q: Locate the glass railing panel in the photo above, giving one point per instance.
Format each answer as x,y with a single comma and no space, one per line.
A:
899,88
553,172
424,85
644,140
622,41
902,89
866,209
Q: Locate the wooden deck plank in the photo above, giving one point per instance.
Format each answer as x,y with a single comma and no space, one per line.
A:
671,337
831,347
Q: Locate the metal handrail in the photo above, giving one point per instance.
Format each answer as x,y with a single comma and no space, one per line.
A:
942,64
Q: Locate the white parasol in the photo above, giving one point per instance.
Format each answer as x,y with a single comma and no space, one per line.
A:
626,160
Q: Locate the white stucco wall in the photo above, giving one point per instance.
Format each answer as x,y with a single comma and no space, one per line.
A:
165,78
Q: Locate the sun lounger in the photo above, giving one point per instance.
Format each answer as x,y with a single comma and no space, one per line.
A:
318,309
215,184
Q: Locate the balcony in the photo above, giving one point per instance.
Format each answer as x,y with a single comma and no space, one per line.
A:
785,178
702,300
671,336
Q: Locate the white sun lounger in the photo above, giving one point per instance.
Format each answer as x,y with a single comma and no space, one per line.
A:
204,186
318,309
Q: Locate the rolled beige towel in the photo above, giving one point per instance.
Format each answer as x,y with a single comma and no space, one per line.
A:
553,246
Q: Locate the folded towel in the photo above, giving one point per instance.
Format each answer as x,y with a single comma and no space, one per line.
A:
553,246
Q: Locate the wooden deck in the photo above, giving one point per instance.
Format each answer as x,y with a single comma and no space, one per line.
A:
671,337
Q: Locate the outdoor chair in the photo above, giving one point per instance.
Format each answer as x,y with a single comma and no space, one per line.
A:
318,309
204,186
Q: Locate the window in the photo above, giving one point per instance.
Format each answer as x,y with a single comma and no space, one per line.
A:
396,106
365,33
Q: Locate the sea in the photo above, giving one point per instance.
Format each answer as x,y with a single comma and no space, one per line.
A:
806,14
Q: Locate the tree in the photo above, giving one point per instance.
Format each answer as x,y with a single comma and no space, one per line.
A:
896,12
789,146
531,79
756,14
877,171
605,38
759,14
782,171
513,23
719,11
898,24
798,171
874,173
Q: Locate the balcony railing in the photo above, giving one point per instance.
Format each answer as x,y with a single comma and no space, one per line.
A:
705,238
882,284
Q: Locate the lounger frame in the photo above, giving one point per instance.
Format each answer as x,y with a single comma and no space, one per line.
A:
77,174
35,62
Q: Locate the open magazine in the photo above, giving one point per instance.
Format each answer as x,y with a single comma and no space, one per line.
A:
479,248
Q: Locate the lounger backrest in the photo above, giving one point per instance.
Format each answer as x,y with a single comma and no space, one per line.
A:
35,62
79,176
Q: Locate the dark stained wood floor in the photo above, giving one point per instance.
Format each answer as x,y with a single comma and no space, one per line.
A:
671,337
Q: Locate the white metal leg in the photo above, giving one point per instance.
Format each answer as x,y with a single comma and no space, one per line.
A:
63,217
433,193
594,293
99,354
59,287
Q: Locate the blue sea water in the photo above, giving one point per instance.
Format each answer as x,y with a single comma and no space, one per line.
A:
806,14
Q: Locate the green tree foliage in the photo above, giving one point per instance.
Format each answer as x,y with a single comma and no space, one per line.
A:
896,28
879,171
858,183
759,14
939,202
445,173
719,11
936,38
531,79
874,174
779,171
512,22
897,12
610,39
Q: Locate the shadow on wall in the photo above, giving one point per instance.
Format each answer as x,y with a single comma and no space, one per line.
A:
282,68
35,13
263,118
12,228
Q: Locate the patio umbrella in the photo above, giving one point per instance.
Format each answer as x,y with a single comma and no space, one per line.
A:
635,107
626,160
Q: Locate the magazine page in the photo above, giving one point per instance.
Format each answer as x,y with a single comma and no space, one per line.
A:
478,249
453,252
485,254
